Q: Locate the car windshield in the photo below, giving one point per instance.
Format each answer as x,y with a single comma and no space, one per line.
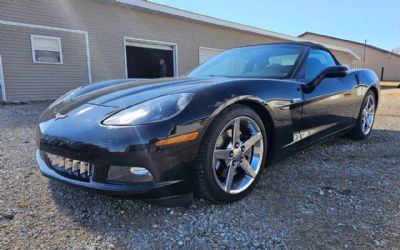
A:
263,61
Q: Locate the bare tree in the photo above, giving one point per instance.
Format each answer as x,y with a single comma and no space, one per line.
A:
396,50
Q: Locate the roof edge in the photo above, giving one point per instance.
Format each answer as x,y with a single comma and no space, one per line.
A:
156,7
349,41
206,19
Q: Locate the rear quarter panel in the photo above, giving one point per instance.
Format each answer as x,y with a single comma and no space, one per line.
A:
367,79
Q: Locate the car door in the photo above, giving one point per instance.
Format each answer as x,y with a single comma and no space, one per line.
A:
327,108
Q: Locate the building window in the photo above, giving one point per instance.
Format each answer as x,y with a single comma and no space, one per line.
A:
46,49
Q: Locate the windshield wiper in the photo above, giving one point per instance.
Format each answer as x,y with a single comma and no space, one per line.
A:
216,76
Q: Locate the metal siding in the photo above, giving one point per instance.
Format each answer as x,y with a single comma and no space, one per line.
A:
375,59
107,25
344,58
206,54
27,80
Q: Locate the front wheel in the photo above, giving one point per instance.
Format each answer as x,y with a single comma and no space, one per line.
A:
366,117
232,155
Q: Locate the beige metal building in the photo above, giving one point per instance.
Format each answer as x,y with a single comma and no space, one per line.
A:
49,47
386,64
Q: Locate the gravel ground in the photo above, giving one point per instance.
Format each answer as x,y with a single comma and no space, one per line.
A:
340,194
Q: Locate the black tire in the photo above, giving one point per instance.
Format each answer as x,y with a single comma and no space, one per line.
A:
357,132
205,184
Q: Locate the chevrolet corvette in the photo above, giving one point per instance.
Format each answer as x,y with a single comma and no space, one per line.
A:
210,133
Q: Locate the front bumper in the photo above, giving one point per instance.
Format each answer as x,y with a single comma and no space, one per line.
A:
80,136
159,192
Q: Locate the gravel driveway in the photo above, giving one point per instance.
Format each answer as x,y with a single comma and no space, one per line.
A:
340,194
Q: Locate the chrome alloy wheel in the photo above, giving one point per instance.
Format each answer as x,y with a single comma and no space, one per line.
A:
368,115
238,155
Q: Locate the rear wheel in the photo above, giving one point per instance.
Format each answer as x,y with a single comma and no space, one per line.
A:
232,155
366,117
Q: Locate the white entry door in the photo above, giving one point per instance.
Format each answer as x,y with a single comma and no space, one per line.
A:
206,54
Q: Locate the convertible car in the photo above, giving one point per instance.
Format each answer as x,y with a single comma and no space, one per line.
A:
209,134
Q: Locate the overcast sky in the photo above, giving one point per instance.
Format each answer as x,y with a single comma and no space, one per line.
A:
378,21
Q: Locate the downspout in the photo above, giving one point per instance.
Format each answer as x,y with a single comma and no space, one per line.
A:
89,67
2,83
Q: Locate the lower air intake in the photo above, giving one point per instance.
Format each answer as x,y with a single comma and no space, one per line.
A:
71,168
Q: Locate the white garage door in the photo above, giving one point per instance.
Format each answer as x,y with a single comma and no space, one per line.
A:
207,53
150,45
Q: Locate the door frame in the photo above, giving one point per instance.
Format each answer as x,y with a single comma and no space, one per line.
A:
2,82
174,47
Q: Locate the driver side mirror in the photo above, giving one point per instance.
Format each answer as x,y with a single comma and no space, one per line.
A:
334,72
337,71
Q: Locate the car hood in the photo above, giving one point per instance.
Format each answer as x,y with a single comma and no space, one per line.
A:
135,91
128,92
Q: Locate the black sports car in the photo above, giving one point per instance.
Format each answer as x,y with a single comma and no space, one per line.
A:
210,133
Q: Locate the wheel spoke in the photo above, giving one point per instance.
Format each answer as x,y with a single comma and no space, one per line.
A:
370,101
236,131
248,154
253,140
371,109
365,113
229,177
369,122
364,123
222,154
248,169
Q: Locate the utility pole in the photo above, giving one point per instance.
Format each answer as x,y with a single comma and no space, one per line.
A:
365,51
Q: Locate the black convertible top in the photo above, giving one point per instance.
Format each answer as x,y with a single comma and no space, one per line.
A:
307,44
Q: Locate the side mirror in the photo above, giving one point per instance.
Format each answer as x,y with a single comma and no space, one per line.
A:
337,71
334,72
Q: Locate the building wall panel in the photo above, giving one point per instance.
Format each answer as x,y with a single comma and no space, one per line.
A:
107,24
374,59
25,80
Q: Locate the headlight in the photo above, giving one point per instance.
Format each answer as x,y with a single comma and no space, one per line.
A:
63,97
155,110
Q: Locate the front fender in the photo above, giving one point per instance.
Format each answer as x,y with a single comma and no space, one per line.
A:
274,99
